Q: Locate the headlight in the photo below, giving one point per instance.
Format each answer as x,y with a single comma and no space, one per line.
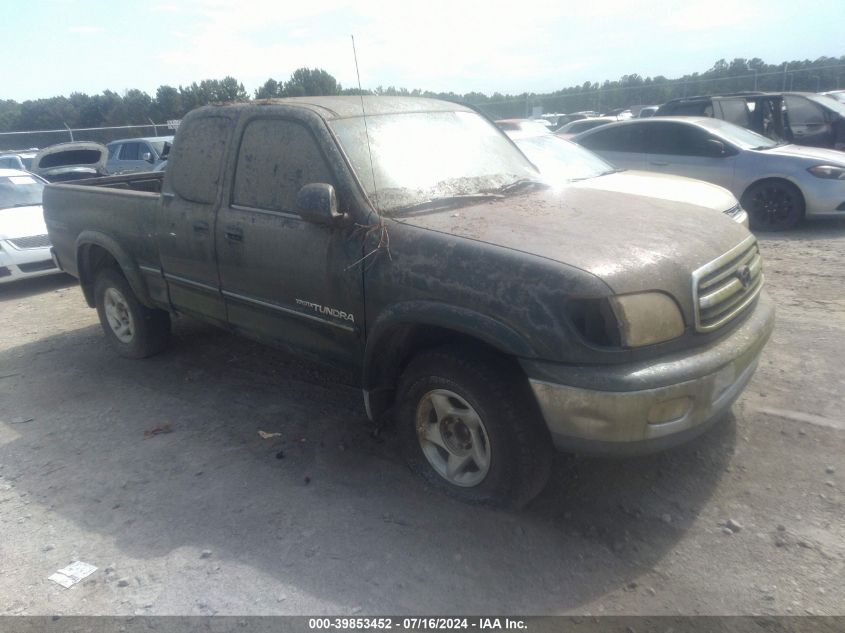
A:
829,172
628,320
646,318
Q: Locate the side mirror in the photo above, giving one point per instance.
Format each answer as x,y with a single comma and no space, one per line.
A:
147,157
716,147
317,203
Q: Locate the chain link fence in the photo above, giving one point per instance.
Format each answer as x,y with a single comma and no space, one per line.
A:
45,138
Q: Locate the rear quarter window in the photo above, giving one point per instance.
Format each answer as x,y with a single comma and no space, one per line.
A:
197,157
615,138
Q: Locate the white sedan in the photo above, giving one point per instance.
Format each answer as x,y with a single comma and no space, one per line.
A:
24,244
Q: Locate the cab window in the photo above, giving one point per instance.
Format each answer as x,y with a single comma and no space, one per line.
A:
276,159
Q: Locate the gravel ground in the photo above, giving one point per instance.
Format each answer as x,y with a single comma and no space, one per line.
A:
212,518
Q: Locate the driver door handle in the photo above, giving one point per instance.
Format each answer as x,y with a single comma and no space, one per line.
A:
657,163
234,234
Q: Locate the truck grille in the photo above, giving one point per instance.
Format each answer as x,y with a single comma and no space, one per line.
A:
33,241
723,288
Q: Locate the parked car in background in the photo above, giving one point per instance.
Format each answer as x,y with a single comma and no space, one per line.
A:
70,161
24,244
563,119
647,111
131,155
802,118
11,161
619,114
576,127
17,160
778,184
563,163
522,125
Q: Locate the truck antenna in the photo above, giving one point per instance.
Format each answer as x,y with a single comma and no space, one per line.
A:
364,115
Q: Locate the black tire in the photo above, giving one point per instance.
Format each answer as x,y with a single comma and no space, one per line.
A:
150,331
520,447
773,205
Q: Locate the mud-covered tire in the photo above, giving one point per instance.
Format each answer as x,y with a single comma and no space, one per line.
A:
517,442
773,205
132,329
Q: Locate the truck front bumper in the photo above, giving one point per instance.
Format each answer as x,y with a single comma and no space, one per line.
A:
649,406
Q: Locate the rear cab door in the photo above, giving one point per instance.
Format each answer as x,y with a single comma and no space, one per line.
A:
187,215
287,281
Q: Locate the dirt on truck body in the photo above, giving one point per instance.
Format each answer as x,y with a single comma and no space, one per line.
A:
492,315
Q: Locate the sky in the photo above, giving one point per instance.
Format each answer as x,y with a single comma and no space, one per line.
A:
56,47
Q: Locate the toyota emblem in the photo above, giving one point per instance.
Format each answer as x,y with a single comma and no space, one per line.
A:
744,276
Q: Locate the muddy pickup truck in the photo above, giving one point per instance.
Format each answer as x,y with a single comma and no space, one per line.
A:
490,315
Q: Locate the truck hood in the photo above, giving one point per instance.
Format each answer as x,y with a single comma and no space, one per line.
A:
631,241
22,222
818,155
85,157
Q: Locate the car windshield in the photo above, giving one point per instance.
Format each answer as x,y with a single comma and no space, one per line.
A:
561,161
423,157
20,191
739,135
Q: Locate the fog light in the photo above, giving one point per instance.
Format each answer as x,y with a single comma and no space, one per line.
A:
669,410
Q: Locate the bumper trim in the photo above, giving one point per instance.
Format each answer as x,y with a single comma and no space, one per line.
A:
586,418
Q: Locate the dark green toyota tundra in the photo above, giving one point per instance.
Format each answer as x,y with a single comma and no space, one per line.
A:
493,315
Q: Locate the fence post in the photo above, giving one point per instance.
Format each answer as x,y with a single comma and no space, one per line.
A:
69,131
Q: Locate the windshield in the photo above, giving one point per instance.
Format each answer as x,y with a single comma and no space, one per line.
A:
559,160
423,156
20,191
739,135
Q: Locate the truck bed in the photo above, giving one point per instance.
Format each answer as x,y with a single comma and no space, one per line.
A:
121,208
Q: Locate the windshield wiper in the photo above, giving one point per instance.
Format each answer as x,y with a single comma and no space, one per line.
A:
447,201
603,173
520,184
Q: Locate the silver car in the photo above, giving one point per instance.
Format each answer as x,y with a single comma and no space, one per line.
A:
777,184
131,155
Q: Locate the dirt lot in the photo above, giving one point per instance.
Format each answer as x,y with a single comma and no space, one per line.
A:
212,518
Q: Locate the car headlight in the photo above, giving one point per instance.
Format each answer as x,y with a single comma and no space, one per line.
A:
632,320
646,318
829,172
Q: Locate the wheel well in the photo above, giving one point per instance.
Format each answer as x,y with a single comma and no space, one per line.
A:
784,181
92,259
396,348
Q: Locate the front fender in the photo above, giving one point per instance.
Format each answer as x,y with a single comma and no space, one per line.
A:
391,334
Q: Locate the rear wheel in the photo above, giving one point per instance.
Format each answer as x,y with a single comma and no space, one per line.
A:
773,205
132,329
470,427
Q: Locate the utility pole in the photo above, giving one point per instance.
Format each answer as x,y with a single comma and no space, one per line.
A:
785,66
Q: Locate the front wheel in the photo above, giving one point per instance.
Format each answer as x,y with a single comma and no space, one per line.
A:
773,205
132,329
469,426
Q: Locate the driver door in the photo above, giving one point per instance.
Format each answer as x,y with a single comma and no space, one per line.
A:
287,281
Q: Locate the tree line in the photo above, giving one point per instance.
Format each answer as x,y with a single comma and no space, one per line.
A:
136,107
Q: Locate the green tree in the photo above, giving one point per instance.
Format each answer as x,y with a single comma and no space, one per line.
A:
308,82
